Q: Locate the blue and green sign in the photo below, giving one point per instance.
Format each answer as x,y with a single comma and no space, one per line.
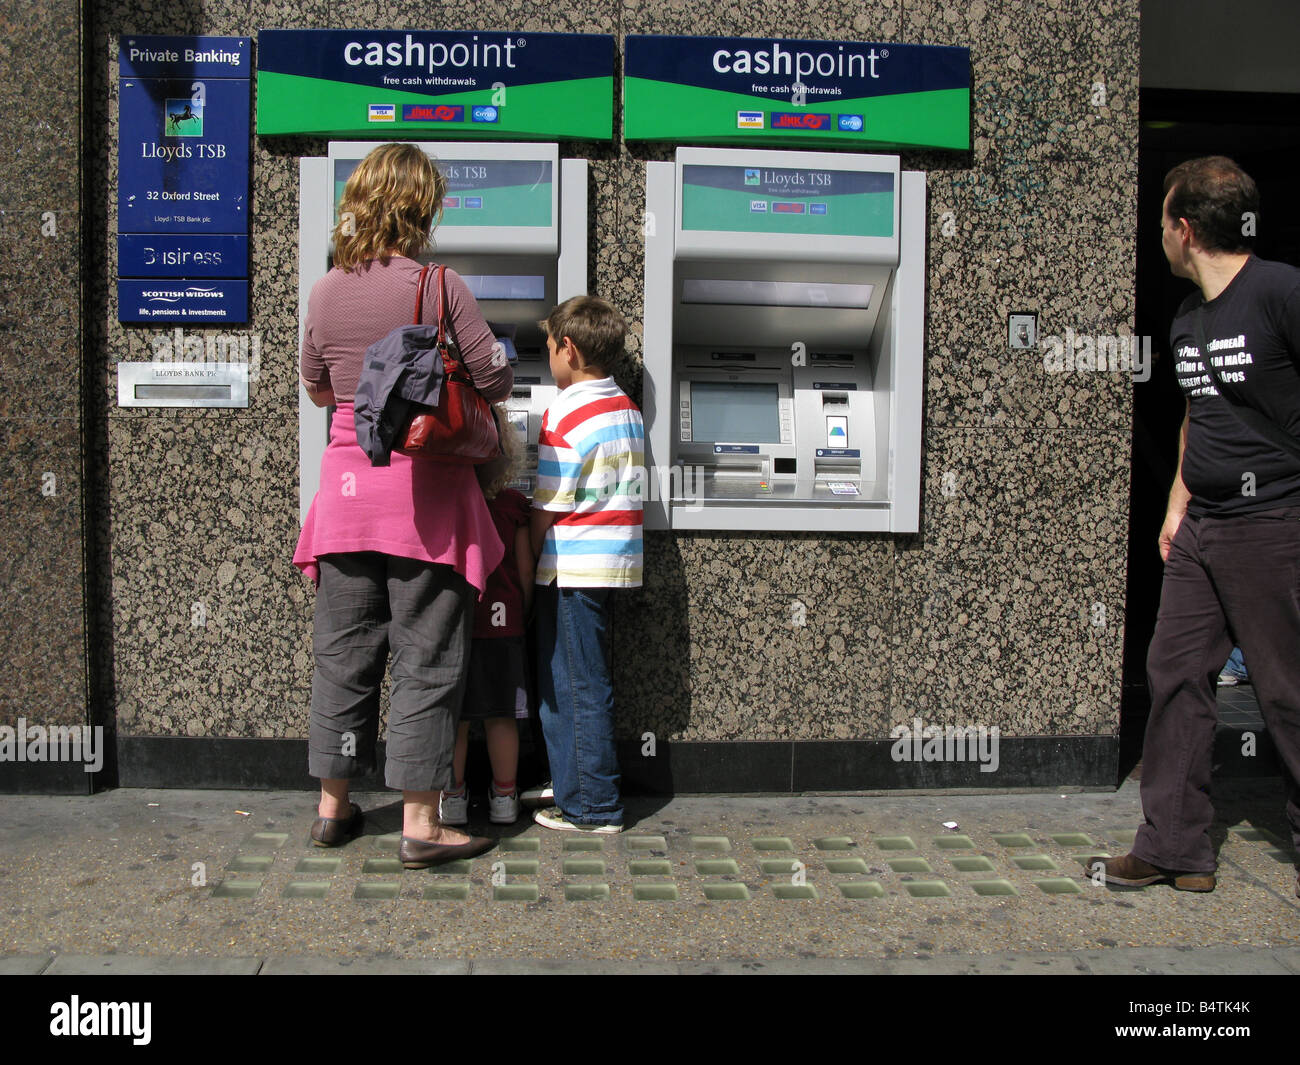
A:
412,84
485,192
764,199
766,92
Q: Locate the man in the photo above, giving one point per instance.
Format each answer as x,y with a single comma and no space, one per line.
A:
1231,536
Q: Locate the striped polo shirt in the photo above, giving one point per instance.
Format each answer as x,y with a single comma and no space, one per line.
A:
590,469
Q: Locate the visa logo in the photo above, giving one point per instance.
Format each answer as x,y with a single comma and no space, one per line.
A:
850,123
799,120
758,205
749,119
485,113
779,207
383,112
433,113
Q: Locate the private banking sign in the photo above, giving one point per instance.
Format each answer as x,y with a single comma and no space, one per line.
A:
761,91
417,83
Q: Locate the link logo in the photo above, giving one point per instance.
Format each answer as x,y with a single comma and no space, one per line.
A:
799,120
749,119
433,113
485,113
850,123
383,112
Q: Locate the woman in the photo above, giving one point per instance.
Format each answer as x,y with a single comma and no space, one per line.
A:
400,553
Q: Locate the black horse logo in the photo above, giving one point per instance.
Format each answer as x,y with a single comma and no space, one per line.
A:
175,118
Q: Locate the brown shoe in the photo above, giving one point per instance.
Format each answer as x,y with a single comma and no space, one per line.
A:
1131,871
418,854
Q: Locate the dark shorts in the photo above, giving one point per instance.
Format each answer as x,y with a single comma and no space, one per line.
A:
496,686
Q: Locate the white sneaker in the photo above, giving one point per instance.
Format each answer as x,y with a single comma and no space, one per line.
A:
454,809
535,797
502,809
555,818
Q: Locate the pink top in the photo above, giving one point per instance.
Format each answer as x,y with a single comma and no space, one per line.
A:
414,508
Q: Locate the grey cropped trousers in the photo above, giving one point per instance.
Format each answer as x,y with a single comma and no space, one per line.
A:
368,604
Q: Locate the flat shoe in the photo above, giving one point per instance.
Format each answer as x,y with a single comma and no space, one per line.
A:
419,854
333,831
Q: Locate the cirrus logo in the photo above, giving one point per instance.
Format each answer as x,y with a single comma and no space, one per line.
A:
485,113
850,123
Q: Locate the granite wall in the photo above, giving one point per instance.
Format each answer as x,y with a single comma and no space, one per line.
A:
1006,609
43,605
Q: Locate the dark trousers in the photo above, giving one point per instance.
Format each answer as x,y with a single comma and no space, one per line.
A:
1224,578
368,603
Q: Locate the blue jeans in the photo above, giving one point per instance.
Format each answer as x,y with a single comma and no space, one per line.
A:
576,701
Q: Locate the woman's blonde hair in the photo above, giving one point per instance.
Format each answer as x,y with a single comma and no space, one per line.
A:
493,476
390,204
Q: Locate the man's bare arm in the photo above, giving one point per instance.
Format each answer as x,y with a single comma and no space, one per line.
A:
1179,496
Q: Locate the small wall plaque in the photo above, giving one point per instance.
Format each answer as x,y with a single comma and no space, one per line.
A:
182,384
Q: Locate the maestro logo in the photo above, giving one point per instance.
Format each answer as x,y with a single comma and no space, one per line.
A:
799,120
749,119
433,113
383,112
850,123
485,113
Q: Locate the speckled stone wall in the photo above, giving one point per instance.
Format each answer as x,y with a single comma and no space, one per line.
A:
1006,609
42,572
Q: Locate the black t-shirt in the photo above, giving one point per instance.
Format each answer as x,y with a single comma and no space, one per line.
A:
1252,329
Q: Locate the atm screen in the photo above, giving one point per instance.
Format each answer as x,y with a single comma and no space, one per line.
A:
736,413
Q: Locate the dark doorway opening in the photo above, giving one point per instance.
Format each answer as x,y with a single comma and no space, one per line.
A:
1261,132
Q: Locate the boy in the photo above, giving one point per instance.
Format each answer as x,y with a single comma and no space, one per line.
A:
586,530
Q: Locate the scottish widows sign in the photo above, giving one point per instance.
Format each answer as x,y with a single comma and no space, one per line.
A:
424,84
760,91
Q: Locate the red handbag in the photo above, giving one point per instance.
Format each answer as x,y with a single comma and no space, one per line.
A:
462,428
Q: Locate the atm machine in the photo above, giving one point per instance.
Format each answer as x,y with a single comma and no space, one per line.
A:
784,321
514,226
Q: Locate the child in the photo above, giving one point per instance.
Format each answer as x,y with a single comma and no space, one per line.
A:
495,691
586,528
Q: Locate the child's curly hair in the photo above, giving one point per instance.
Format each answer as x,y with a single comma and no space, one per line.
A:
494,475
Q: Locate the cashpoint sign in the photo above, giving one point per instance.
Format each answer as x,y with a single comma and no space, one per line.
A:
436,85
764,92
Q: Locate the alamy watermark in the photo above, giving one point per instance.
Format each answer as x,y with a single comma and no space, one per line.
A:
55,743
919,742
219,349
1083,353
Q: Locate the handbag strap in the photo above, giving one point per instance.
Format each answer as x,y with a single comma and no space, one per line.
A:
419,293
1251,416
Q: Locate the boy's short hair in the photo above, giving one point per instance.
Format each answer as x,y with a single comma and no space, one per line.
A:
594,325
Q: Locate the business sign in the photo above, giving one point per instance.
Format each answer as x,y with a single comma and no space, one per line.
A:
761,91
441,85
182,255
182,189
765,199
